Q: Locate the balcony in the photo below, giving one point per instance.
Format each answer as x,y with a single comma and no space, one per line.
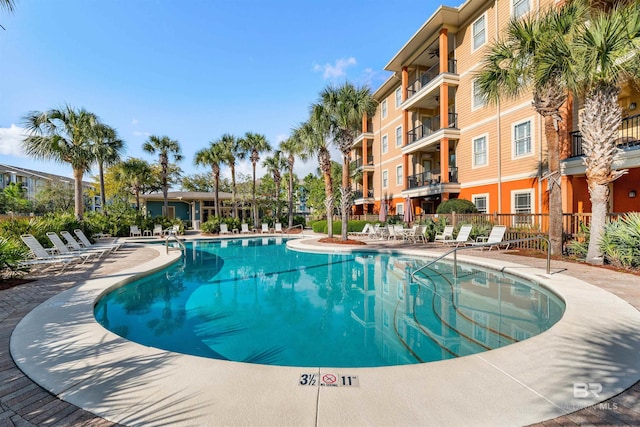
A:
361,136
358,163
428,76
360,197
628,136
430,183
423,91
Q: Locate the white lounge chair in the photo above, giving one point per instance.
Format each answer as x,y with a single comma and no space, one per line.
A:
75,246
134,231
173,230
278,228
244,229
224,229
494,239
62,249
42,255
265,228
463,236
447,234
157,230
84,241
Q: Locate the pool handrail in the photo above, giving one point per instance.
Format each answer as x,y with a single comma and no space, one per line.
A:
300,226
174,237
475,246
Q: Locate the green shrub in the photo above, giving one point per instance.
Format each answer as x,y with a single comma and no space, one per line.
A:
620,243
11,253
456,205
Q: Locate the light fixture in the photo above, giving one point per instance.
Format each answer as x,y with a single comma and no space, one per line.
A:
632,106
632,194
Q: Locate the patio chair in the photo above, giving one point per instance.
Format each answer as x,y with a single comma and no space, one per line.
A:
84,241
74,245
224,229
157,230
463,236
278,228
494,239
365,231
39,253
62,249
134,231
173,230
244,228
265,228
447,234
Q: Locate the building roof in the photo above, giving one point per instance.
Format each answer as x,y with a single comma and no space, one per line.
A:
38,174
186,196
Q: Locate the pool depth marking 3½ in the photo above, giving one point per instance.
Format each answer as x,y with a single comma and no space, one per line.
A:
329,380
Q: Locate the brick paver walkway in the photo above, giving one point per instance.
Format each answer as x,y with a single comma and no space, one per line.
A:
24,403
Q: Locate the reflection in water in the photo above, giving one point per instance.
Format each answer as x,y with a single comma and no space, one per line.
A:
253,300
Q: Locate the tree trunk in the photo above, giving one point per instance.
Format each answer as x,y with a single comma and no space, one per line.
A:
346,196
599,199
216,199
79,201
137,200
253,191
553,181
103,196
290,193
233,191
324,159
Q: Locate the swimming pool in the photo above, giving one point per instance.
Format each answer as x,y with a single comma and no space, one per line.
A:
253,300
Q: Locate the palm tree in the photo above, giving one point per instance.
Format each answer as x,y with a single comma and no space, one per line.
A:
314,134
291,148
254,143
165,147
231,151
136,175
275,164
535,56
607,53
63,135
8,5
107,149
345,106
212,156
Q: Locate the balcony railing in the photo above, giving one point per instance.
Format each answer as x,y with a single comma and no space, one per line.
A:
431,177
424,79
429,127
357,163
358,194
628,136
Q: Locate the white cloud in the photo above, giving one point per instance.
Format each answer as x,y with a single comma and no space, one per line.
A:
11,141
138,133
134,122
337,70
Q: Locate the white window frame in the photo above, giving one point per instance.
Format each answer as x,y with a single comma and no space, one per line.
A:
485,196
383,109
513,8
399,134
518,222
531,151
399,176
385,178
477,100
399,208
385,143
474,163
483,18
398,95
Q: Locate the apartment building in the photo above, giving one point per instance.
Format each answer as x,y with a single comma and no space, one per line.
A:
434,138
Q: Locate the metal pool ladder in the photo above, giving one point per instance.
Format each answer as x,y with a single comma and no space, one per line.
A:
454,251
181,245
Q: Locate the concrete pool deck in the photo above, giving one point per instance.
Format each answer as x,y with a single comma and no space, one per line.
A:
61,347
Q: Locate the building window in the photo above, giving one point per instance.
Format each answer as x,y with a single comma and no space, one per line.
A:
480,151
383,108
479,32
520,8
399,136
398,97
399,208
522,139
385,143
399,176
481,203
522,207
478,99
385,179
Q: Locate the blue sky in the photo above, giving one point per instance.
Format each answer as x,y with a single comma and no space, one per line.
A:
192,69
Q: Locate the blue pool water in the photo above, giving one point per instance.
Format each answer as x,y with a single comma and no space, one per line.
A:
253,300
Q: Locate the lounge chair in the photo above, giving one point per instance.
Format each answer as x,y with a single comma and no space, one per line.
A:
447,234
494,239
224,229
278,228
43,256
75,246
244,229
134,231
265,228
157,230
84,241
62,249
365,231
463,236
173,230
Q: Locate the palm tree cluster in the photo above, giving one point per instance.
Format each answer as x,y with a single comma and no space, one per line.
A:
572,50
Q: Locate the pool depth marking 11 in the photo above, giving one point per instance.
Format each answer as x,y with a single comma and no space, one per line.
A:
329,379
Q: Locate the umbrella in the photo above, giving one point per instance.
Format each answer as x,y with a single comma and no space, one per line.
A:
383,211
408,211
